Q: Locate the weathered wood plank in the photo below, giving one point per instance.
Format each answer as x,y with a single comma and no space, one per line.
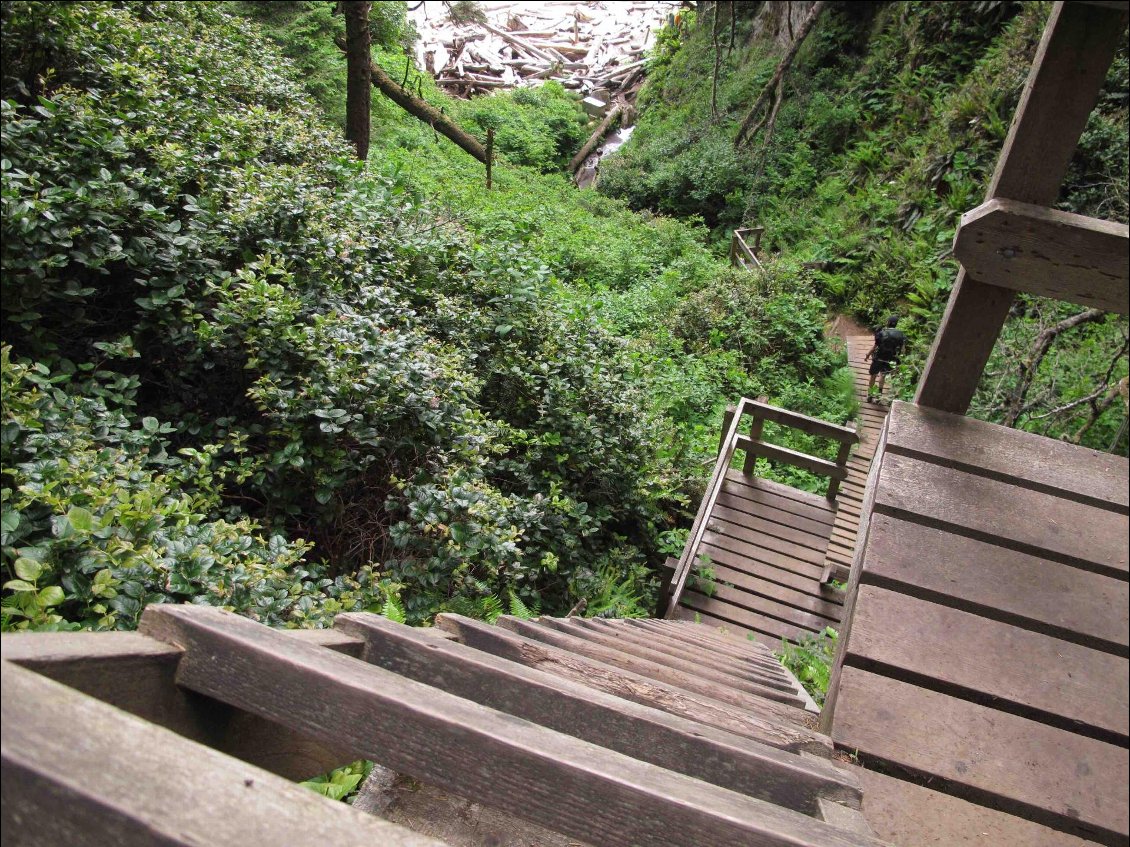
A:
756,621
770,567
700,642
915,816
1067,74
1053,777
689,615
989,662
808,601
655,670
580,789
752,681
1017,588
1011,455
755,526
790,616
736,486
768,721
1018,518
641,732
79,771
782,553
766,512
1046,252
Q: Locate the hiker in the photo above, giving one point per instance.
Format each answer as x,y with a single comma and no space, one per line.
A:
884,355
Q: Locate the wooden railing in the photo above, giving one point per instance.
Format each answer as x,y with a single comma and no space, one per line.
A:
741,254
754,447
1013,242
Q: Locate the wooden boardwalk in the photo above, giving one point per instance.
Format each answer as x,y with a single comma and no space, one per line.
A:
771,550
986,647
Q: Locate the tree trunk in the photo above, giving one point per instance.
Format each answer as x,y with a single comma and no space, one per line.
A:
426,112
744,133
358,94
594,139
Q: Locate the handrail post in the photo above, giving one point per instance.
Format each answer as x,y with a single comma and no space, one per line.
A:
756,425
841,461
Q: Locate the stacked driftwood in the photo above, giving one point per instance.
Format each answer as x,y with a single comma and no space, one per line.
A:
594,48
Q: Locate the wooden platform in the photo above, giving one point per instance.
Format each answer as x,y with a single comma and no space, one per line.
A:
985,651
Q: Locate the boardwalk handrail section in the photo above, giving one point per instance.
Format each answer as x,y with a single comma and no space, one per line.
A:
754,446
741,254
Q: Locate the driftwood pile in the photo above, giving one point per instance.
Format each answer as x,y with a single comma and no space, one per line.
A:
595,48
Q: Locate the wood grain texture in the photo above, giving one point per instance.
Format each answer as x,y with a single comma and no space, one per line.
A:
805,423
767,721
644,733
688,681
79,771
1006,515
1021,589
773,452
1053,777
1046,252
568,785
1011,455
980,659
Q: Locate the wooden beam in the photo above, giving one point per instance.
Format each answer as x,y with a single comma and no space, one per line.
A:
576,788
1071,62
644,733
795,420
812,464
1047,252
79,771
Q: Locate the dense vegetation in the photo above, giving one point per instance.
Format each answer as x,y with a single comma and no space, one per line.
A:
889,126
242,369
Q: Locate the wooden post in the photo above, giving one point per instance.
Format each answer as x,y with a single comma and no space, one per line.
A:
841,460
1071,62
727,419
756,425
490,154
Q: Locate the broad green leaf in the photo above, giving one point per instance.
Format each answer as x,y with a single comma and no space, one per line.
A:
28,569
81,519
9,520
18,585
52,595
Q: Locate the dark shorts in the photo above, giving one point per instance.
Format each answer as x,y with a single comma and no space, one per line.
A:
879,366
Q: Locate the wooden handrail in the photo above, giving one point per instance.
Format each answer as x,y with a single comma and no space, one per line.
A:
741,254
759,411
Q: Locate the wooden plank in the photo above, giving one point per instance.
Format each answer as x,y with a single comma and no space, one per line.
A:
658,643
771,608
910,815
805,601
576,788
137,674
771,514
807,582
650,735
1011,455
1026,768
773,452
757,621
698,641
805,423
1077,47
1024,590
769,722
79,771
1047,252
781,553
752,682
763,526
689,615
1017,518
644,667
758,499
989,662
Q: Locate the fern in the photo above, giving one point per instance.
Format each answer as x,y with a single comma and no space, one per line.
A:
393,608
519,609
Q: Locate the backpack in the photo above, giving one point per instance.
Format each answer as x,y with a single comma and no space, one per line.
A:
889,344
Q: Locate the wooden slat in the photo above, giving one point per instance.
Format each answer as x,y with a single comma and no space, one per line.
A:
769,721
755,532
584,712
1018,518
775,569
1046,252
688,615
1054,777
986,661
789,615
796,420
752,681
576,788
782,554
736,504
1067,74
79,771
658,671
773,452
1031,461
700,642
1085,608
761,526
907,814
754,620
738,486
807,601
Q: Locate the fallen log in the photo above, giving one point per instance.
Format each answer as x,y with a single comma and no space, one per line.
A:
426,112
595,138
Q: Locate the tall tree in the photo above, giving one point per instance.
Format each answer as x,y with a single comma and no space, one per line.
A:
358,58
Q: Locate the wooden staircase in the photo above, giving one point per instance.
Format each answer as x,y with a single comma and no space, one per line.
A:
607,732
